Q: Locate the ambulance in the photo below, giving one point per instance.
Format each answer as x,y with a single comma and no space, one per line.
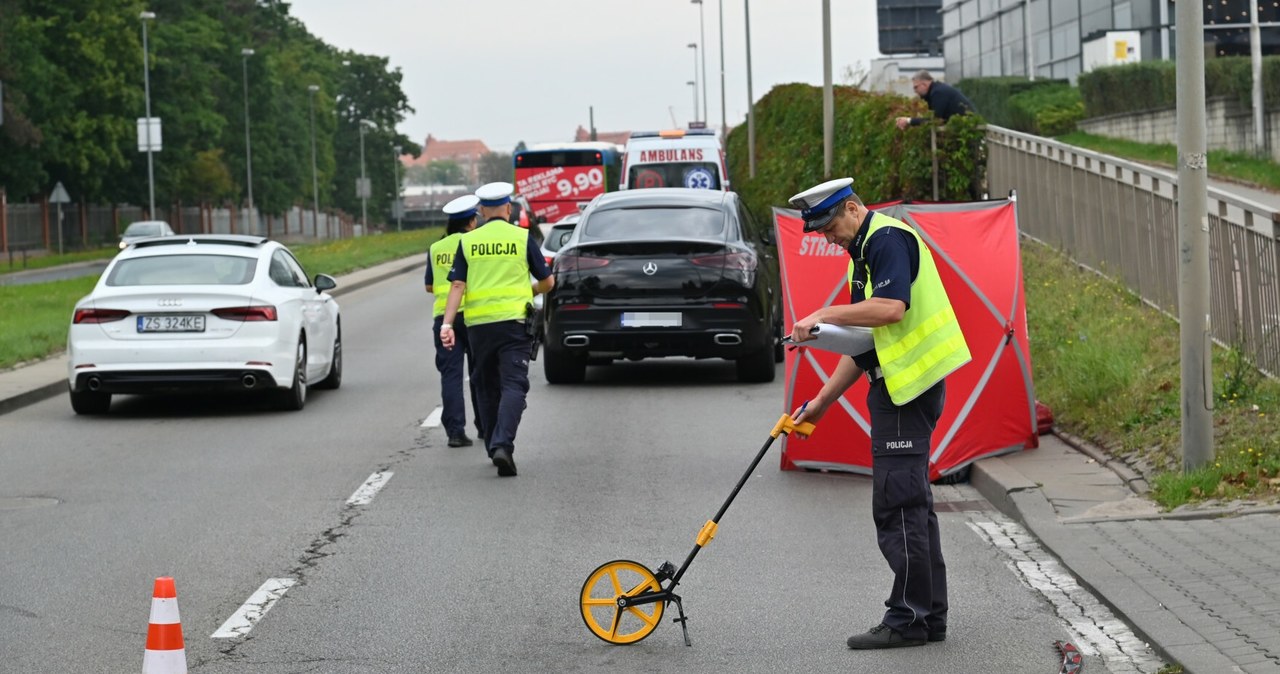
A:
677,158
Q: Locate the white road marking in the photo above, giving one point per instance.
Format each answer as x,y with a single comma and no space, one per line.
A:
364,495
1095,630
252,611
433,419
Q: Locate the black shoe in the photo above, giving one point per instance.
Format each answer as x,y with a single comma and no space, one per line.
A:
935,637
506,465
460,441
881,636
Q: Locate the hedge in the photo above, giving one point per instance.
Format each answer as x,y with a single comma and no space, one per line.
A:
992,96
885,162
1153,85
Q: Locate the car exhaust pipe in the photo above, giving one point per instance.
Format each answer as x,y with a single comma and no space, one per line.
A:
94,383
249,381
577,340
728,339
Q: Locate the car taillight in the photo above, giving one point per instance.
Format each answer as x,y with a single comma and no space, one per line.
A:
579,262
98,315
549,259
740,261
260,312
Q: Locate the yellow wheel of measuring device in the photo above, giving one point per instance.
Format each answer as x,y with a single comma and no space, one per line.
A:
599,600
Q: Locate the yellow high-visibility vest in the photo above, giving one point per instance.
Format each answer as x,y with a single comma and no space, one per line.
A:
442,253
498,285
927,344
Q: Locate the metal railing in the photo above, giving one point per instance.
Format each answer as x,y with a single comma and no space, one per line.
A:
1120,219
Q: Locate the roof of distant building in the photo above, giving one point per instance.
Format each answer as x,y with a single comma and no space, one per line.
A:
434,149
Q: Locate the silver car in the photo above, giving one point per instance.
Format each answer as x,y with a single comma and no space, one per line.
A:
144,229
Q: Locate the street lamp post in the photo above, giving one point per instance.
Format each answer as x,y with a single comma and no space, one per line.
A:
315,180
364,181
694,85
396,206
248,149
724,123
751,101
146,84
702,40
694,47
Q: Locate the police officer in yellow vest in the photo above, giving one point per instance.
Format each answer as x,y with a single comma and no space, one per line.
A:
490,274
894,290
452,363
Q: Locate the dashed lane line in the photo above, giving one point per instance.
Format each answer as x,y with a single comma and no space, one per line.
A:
1098,632
364,495
433,419
251,612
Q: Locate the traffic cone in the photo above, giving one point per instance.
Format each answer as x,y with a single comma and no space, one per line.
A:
165,652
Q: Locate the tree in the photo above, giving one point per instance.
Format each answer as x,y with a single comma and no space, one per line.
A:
495,167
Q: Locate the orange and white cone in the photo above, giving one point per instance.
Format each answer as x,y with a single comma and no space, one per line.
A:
165,652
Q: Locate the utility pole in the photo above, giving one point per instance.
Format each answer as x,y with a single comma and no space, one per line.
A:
828,95
1193,242
1255,57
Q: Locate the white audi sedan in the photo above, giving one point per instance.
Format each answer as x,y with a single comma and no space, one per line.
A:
204,313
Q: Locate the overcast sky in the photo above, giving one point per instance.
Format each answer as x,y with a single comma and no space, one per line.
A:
552,60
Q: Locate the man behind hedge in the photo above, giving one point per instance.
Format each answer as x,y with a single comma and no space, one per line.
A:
944,100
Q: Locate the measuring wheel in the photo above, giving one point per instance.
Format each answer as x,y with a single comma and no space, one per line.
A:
601,609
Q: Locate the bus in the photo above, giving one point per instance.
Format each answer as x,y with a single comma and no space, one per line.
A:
555,178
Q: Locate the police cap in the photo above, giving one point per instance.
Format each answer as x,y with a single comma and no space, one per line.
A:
495,194
462,208
818,204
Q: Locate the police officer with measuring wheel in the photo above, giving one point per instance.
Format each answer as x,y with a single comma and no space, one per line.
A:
451,362
491,271
896,291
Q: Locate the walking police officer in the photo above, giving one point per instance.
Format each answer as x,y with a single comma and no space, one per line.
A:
895,290
450,362
490,273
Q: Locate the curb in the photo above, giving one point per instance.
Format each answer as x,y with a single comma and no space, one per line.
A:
366,279
1023,501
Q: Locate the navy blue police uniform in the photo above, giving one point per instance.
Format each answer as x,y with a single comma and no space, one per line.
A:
452,363
502,351
902,502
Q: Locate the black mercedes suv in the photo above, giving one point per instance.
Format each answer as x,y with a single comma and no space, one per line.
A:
665,272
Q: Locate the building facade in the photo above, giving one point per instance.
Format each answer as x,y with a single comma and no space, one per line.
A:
1044,38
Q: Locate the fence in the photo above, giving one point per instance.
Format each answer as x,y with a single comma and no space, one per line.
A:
1120,219
34,226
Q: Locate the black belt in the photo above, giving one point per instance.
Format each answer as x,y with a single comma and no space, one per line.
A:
875,374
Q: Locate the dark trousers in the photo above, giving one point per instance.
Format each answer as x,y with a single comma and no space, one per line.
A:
453,364
902,507
501,379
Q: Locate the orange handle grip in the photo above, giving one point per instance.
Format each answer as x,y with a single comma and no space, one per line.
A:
787,425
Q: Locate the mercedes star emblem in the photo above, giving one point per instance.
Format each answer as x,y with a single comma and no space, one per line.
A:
650,268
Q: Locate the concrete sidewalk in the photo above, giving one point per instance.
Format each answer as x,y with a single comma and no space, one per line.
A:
1200,586
37,381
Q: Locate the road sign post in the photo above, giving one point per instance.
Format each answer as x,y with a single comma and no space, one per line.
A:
59,197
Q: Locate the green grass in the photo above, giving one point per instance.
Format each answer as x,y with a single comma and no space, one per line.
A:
1222,164
1108,366
36,316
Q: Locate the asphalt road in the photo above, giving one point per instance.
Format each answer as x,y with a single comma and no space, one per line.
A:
449,568
29,276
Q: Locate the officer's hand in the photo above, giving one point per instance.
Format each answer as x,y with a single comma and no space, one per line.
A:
809,412
446,336
903,122
802,330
